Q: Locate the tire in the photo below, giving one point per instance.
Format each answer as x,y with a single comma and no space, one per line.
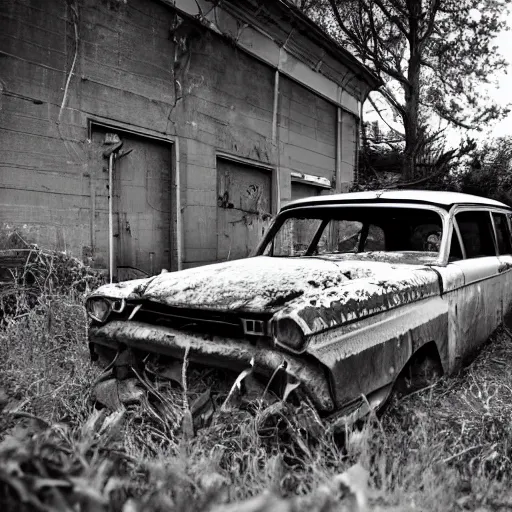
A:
420,372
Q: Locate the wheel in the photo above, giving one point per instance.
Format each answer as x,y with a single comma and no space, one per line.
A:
421,371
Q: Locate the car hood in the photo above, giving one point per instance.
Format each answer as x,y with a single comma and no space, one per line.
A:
268,284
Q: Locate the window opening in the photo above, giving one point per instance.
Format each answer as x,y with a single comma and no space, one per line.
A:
502,233
476,232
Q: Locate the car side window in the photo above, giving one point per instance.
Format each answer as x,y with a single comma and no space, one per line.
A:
502,233
477,234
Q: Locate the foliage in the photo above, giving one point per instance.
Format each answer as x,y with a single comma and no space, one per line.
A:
433,57
489,172
38,271
484,170
380,162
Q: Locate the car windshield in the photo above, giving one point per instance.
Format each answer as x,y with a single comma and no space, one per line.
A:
411,235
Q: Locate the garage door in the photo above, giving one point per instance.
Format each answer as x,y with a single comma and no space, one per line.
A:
141,205
301,190
243,208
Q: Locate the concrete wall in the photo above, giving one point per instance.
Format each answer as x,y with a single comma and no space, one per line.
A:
228,101
143,70
307,132
49,170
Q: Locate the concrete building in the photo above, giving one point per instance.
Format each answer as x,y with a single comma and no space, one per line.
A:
225,111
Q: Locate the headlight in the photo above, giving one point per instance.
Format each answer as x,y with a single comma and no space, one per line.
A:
289,335
99,308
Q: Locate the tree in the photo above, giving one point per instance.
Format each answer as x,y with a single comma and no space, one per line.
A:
433,57
489,172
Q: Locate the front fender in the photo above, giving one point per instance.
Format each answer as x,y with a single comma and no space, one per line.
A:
369,354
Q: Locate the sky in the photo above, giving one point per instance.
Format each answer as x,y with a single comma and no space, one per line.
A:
503,94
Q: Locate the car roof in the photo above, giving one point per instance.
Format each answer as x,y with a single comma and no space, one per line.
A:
443,199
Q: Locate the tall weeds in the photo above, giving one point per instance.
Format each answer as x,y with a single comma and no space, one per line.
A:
445,448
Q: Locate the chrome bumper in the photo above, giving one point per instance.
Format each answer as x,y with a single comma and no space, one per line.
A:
214,351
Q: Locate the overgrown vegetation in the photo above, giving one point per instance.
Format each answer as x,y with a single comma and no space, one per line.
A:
445,448
483,169
28,272
435,59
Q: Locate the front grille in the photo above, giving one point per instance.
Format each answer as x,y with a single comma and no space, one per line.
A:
207,322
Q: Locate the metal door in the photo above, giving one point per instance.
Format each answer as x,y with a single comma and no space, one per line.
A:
472,286
504,243
243,208
302,190
141,205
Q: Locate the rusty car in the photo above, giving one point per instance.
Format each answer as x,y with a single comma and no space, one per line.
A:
347,297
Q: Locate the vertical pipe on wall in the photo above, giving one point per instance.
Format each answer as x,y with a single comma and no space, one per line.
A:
110,216
151,263
338,149
355,179
275,106
92,194
179,228
359,126
275,141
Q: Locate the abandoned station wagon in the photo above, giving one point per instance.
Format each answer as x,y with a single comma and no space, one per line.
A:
346,296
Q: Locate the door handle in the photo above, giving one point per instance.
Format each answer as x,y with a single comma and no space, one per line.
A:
504,267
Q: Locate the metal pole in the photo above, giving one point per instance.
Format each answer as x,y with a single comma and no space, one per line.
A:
179,219
275,141
152,263
110,216
339,141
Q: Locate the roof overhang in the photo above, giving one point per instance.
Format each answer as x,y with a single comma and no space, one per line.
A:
279,34
327,42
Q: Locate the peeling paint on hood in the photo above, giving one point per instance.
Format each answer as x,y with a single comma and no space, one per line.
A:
129,290
268,284
387,287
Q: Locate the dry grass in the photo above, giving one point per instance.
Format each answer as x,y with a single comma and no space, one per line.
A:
445,448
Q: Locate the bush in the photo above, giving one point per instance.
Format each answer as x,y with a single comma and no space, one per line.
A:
28,272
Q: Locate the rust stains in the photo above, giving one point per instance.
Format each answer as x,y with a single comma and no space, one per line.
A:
369,353
359,298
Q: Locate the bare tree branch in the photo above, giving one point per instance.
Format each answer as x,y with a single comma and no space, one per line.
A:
434,49
392,18
431,22
388,95
364,50
376,108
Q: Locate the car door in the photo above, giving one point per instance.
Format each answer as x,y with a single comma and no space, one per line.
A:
478,308
472,283
501,222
